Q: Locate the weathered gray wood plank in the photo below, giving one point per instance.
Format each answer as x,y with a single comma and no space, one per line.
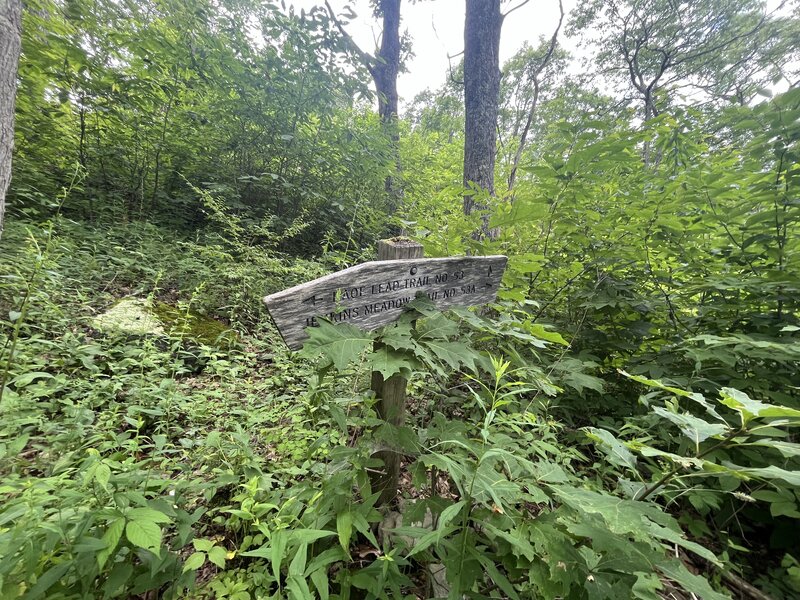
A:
373,294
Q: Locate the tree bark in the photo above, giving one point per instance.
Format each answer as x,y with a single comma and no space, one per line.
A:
10,42
386,67
481,97
384,72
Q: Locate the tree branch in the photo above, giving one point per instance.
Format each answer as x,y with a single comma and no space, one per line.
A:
366,59
520,5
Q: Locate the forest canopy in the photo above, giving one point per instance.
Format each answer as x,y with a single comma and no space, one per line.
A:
621,421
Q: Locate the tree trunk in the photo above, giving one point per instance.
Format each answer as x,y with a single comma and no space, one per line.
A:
481,96
10,41
384,73
386,68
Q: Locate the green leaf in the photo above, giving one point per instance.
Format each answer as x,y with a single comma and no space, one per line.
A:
264,551
495,576
279,540
298,589
102,475
436,327
344,528
520,545
217,555
449,513
786,449
28,378
646,586
540,332
690,582
308,536
389,362
121,572
771,472
341,344
298,564
202,545
147,514
694,396
617,453
749,408
320,580
453,354
692,427
111,538
398,336
194,562
430,538
47,580
144,534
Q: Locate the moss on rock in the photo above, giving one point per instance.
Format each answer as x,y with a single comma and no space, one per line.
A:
137,316
192,325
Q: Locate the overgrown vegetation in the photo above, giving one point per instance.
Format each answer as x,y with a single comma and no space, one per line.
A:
621,423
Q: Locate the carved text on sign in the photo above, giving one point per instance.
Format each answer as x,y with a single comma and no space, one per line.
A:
373,294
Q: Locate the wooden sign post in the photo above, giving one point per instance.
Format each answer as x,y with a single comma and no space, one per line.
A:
391,393
373,294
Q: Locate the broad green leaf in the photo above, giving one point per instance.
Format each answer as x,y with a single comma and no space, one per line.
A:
646,586
28,378
121,572
430,538
675,537
771,472
389,362
692,427
341,344
398,336
111,538
617,453
749,408
694,396
264,551
786,449
495,576
298,588
454,354
147,514
144,534
102,475
194,562
47,580
202,545
520,545
436,327
217,555
677,571
540,332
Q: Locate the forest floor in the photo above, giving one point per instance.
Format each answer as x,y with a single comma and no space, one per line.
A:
192,444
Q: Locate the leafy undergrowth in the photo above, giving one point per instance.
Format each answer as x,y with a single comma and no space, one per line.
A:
136,466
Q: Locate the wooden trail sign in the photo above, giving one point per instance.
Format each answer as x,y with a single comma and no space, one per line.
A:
373,294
